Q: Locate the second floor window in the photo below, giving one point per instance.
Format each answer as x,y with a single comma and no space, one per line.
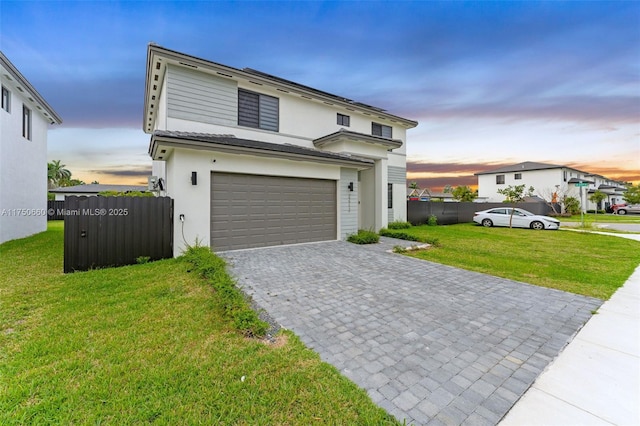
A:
517,176
381,130
499,179
6,99
344,120
258,110
26,122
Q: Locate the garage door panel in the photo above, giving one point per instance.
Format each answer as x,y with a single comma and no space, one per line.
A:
256,211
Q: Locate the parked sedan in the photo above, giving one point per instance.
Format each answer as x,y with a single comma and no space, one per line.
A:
629,208
521,219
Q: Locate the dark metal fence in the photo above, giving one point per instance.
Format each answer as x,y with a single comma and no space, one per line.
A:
115,231
418,212
55,210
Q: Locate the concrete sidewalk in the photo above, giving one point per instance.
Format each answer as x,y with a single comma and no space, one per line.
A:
596,379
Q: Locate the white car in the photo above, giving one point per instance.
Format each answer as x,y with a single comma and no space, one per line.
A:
500,216
628,208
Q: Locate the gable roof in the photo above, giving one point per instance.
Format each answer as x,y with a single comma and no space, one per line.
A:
230,143
158,57
11,73
344,134
525,167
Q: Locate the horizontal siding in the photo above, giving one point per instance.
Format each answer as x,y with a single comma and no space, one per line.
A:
195,96
348,202
397,175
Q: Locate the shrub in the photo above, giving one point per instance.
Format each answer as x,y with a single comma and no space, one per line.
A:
399,225
432,221
143,259
572,205
230,299
398,234
364,237
404,236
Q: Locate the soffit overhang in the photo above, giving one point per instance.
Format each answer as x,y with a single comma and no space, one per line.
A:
17,80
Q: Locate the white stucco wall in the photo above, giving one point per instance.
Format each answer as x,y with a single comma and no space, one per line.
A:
194,200
301,120
543,181
23,165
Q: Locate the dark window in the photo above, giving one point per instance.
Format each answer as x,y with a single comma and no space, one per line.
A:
6,99
517,176
381,130
343,120
258,110
390,195
26,122
499,179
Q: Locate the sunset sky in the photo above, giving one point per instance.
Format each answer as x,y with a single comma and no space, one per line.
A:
491,83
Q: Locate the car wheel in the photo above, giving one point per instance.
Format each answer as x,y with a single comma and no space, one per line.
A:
537,225
487,223
622,211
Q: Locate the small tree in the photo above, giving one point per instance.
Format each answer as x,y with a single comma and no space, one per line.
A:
571,205
515,195
554,197
597,198
632,195
464,193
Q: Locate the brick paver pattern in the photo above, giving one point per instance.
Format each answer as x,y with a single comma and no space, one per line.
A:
431,344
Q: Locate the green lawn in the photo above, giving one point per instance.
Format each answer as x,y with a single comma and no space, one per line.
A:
147,343
603,218
583,263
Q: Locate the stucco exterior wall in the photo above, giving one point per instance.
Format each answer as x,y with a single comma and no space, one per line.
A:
301,120
193,200
23,165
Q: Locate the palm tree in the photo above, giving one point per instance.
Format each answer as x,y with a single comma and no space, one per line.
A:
56,173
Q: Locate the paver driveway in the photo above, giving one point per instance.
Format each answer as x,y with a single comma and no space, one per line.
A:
431,344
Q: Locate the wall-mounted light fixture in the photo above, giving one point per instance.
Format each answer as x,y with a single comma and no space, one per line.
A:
350,186
194,178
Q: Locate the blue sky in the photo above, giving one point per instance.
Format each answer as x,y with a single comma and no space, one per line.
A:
491,83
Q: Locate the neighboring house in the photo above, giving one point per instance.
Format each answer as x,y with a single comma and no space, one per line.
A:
547,180
427,195
93,189
254,160
24,122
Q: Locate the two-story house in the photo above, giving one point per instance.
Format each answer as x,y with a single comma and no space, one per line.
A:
24,122
549,180
255,160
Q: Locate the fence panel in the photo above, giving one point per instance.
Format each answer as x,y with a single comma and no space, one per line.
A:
418,212
55,210
115,231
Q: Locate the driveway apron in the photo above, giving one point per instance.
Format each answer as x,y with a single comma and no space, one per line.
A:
431,344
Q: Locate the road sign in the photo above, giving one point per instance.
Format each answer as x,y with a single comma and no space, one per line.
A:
582,184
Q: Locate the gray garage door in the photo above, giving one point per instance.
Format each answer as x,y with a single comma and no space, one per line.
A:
259,211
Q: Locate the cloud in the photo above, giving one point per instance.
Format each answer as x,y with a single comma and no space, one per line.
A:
124,171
